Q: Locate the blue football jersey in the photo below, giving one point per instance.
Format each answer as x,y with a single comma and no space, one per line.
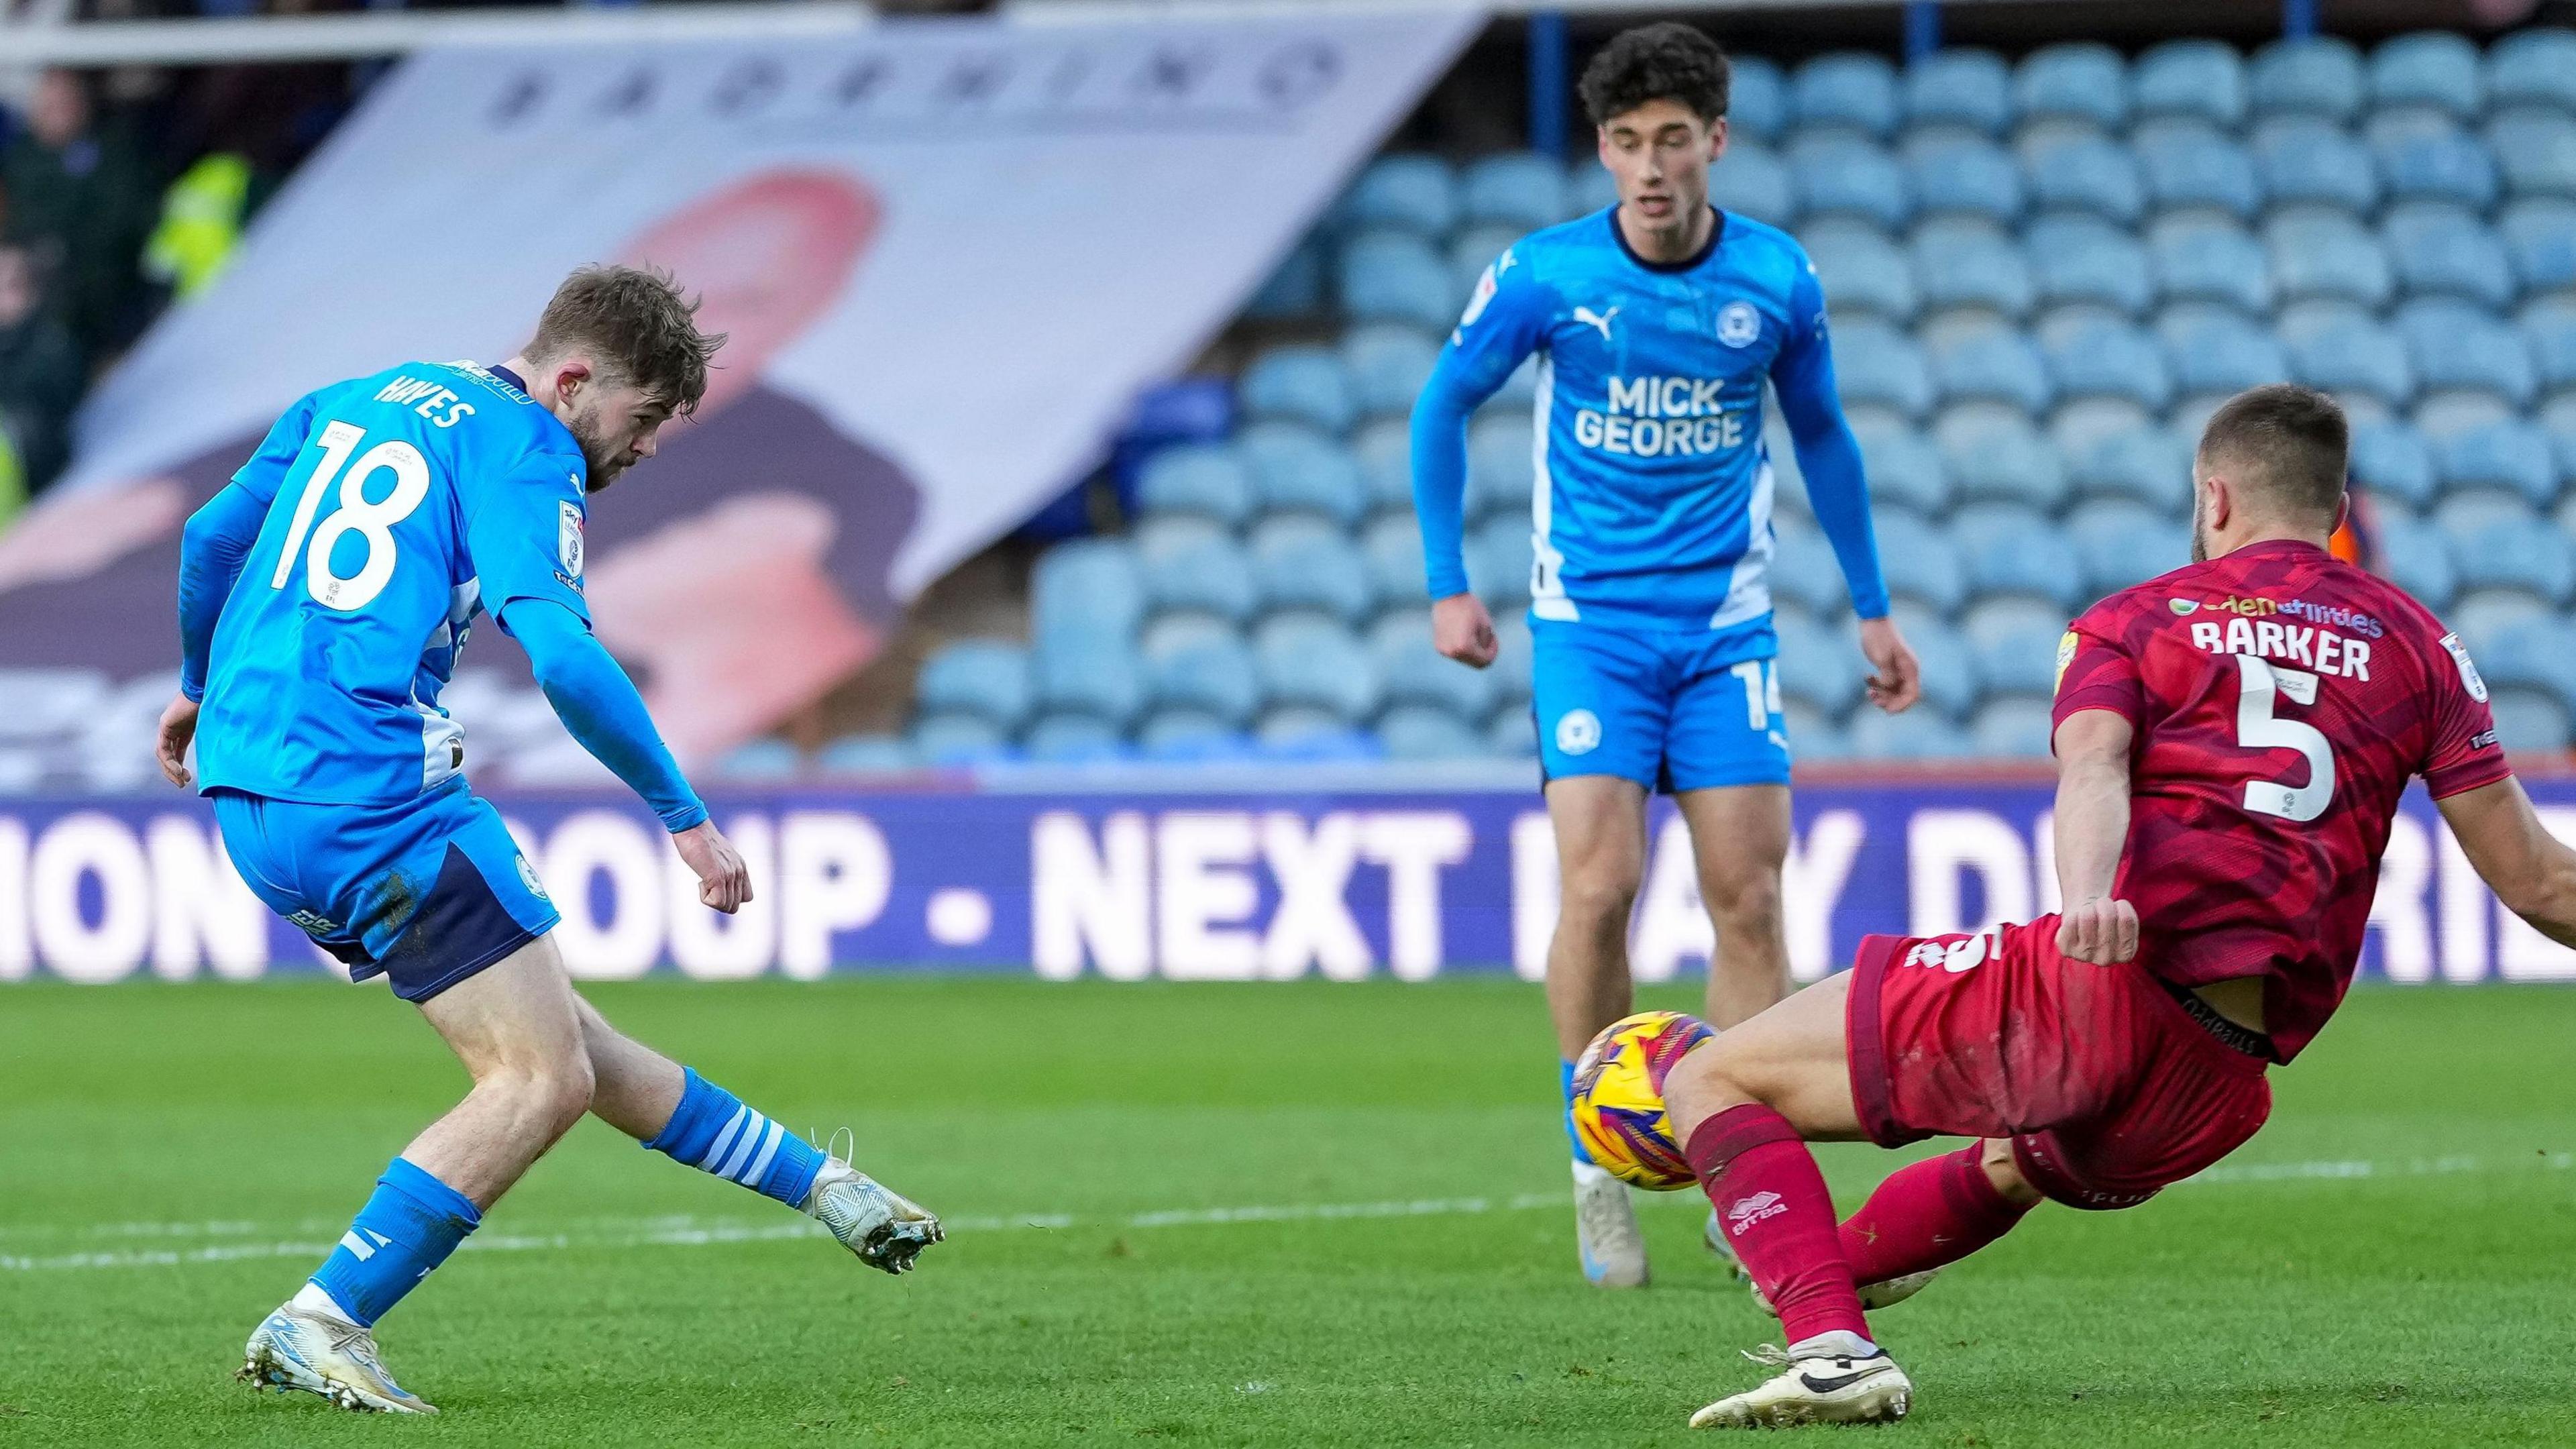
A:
1653,491
399,506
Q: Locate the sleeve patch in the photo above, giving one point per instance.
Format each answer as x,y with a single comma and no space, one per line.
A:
2469,677
2065,654
568,540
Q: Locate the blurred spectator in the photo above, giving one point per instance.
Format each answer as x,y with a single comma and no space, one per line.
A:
81,199
40,380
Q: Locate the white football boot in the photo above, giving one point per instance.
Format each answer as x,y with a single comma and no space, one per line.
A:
1833,1378
303,1349
1605,1230
1873,1296
883,1227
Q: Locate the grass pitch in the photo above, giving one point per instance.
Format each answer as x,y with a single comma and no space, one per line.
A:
1307,1214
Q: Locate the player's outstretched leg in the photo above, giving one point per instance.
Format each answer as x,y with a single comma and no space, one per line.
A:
1600,825
1925,1216
1745,1105
674,1111
513,1026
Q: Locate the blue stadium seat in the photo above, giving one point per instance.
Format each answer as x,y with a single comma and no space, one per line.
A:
1304,563
1917,734
1845,88
2540,237
2445,251
2417,560
2423,158
1875,363
1994,455
984,677
2207,260
1964,263
2097,355
1992,364
1417,674
2535,66
1310,662
1817,667
2352,355
2077,171
2214,350
1500,472
2393,459
2119,543
2201,79
2086,260
1757,104
2146,464
1296,287
1385,365
1391,550
2526,720
1512,734
1185,736
2012,551
2508,554
1195,567
2307,159
2017,646
1396,276
2321,76
759,762
1590,189
1415,193
1516,188
1471,249
1384,451
2434,68
2082,80
1303,736
1511,666
1959,87
1902,466
1950,680
1498,560
1300,383
2462,348
2013,729
1212,677
2189,164
1952,172
1861,270
1087,589
1073,739
1803,568
1840,174
2535,150
1104,678
2317,252
1416,732
956,739
866,754
1751,180
2550,329
2512,455
1198,479
1296,469
1919,562
2530,655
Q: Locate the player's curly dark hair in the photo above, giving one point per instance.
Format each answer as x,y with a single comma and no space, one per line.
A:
633,320
1661,62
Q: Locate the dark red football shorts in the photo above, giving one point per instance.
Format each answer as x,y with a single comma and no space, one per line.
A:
2106,1086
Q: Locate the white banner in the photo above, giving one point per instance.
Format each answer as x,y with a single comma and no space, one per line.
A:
948,254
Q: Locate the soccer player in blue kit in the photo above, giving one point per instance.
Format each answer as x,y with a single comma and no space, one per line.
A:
323,597
1656,325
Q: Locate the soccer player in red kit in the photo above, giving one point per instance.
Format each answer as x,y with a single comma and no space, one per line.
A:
2232,739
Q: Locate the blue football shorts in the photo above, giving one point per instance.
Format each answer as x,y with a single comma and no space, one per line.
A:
426,892
1671,711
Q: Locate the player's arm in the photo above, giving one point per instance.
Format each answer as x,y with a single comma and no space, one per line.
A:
1838,490
2531,871
212,547
1503,324
2100,700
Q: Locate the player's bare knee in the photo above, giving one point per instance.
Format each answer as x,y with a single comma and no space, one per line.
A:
1705,1082
2004,1171
1597,898
1743,900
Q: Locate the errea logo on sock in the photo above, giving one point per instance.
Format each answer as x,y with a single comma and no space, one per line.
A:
1744,1212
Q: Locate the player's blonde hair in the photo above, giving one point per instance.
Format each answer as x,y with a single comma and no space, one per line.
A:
634,321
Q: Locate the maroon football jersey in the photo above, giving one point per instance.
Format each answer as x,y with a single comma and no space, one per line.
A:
2282,698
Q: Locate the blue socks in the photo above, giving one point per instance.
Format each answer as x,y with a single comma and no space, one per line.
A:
712,1130
1565,1083
406,1229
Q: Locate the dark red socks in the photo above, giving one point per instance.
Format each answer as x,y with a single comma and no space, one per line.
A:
1771,1202
1927,1214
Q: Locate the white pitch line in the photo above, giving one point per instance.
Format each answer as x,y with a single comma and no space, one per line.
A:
688,1232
